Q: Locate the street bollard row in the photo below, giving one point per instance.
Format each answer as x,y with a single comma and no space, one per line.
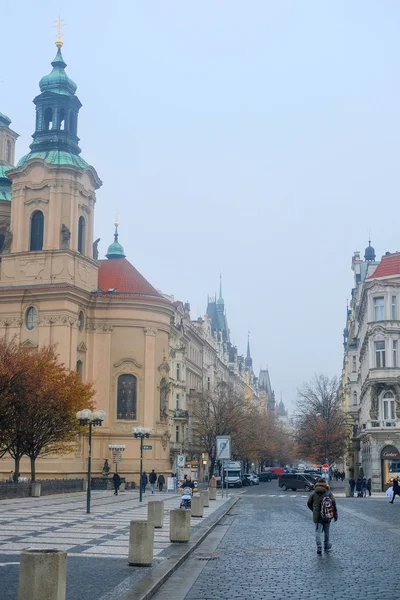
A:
43,573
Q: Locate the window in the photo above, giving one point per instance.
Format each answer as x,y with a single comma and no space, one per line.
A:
388,406
178,371
79,369
37,228
394,353
177,433
379,309
81,235
126,399
178,401
355,398
81,320
354,364
394,308
48,119
163,397
8,152
208,383
62,119
31,318
380,359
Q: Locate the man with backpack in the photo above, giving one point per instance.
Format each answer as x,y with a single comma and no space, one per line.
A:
322,503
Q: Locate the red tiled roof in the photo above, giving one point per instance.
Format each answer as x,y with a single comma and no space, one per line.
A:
389,265
120,275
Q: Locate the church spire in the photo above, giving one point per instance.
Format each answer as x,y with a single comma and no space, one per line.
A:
115,250
220,298
248,361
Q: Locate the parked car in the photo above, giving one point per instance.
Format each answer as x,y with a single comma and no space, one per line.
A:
266,476
246,481
252,478
295,481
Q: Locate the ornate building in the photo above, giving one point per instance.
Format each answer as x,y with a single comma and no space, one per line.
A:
371,369
106,320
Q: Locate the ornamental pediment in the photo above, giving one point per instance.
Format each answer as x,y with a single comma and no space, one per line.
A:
29,344
129,360
82,347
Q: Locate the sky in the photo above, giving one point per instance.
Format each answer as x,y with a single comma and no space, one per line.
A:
255,139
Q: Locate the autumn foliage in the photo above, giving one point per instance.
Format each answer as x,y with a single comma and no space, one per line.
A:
39,398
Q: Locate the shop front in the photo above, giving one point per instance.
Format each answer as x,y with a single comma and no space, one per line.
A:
390,459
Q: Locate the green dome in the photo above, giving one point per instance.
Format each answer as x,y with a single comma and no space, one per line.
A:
115,250
56,157
3,171
4,120
5,183
58,81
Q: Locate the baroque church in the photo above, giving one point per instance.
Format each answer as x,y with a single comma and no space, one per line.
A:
107,322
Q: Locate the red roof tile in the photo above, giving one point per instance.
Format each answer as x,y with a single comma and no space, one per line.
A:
120,275
389,265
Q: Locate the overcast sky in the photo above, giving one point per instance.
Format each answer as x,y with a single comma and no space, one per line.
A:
259,139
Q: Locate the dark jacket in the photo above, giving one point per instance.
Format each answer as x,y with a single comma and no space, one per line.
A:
315,500
187,484
352,482
116,479
153,477
144,479
369,484
161,479
396,486
359,484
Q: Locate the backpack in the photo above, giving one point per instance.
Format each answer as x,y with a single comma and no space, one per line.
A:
327,510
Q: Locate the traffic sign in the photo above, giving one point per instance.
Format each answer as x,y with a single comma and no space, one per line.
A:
223,447
147,447
180,460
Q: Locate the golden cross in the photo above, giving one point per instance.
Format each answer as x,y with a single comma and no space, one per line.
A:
116,218
59,24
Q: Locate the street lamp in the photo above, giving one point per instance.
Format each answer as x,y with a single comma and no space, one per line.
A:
141,433
87,417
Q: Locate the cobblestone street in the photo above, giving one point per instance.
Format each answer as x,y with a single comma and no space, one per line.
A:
265,548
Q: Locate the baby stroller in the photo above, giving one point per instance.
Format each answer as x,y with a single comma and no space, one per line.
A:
186,499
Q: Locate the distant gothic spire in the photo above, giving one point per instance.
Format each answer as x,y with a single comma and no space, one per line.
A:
220,299
248,360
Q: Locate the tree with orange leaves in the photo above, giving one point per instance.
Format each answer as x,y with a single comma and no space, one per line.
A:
39,398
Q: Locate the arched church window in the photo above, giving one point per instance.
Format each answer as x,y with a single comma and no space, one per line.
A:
62,119
81,235
8,152
37,229
79,369
126,397
48,119
163,397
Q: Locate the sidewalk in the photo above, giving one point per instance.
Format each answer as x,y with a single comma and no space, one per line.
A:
96,543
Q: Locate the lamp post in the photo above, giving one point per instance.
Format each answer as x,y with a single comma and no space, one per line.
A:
116,450
141,433
87,417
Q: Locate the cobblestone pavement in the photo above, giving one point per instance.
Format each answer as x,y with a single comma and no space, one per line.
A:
97,544
265,549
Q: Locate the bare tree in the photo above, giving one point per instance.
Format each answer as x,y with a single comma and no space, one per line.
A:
321,424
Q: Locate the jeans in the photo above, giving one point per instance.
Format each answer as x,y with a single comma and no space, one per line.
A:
152,487
319,528
352,490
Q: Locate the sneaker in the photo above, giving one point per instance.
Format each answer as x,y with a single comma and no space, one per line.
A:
319,549
328,547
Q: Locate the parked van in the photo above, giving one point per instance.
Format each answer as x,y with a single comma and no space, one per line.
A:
295,481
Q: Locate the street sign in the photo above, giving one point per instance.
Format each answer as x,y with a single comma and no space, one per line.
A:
223,447
180,460
117,456
147,447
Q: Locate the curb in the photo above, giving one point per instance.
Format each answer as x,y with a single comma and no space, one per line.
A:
151,583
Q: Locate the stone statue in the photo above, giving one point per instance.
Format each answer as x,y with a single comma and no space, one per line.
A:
7,240
106,468
65,236
96,249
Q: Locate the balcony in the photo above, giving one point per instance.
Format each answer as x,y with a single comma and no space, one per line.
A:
175,446
380,425
181,415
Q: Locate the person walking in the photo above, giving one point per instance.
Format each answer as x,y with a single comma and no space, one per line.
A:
144,481
152,480
364,487
117,483
161,482
322,503
369,486
359,486
396,489
352,484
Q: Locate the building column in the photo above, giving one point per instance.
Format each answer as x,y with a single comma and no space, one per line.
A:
149,374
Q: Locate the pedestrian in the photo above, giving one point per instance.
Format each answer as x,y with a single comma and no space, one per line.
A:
161,482
359,486
322,503
116,482
352,484
144,481
396,489
364,487
369,486
152,480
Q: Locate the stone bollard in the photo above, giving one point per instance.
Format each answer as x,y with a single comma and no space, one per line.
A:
85,485
122,487
197,507
213,493
155,513
36,489
141,543
179,525
347,492
42,574
206,498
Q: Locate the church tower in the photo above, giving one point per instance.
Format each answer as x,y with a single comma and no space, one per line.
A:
53,195
8,138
